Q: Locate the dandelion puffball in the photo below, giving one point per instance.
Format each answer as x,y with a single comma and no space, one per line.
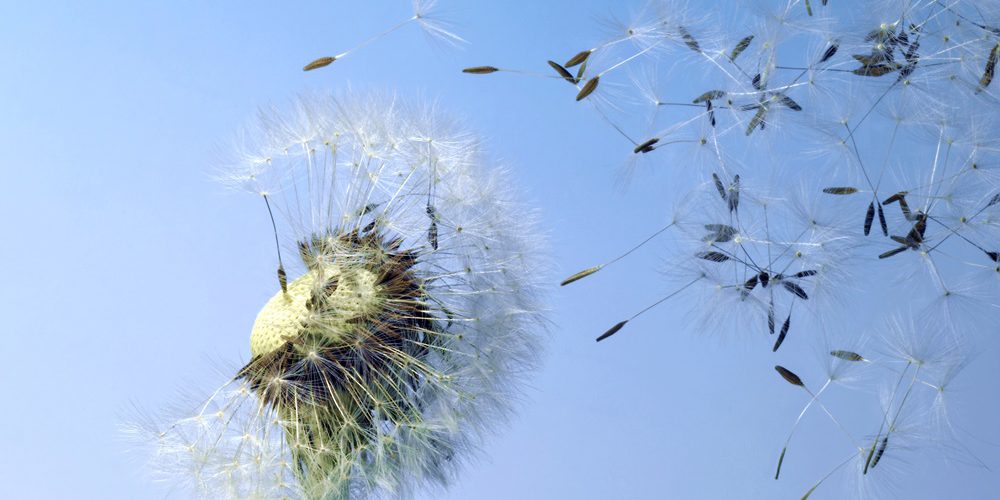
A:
404,330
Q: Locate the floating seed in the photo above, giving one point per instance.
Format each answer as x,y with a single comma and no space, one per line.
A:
805,274
720,233
734,194
432,235
719,186
750,283
840,190
688,39
588,88
764,278
781,335
847,355
708,96
881,221
578,59
787,101
781,458
611,331
894,198
580,275
756,81
869,217
562,72
581,71
646,146
795,289
892,252
994,256
881,450
991,64
789,376
994,200
758,119
770,318
319,63
740,47
876,70
711,113
481,70
712,256
830,52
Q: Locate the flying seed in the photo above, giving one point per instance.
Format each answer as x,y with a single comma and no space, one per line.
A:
805,274
319,63
740,47
830,52
869,217
580,275
781,458
758,119
795,289
361,212
708,96
756,81
781,335
481,70
611,331
789,376
770,317
840,190
892,252
688,39
881,221
994,256
646,147
578,59
994,200
847,355
562,72
711,113
581,71
881,450
750,283
719,186
787,101
764,278
876,70
432,235
712,256
991,64
894,198
588,88
734,195
720,233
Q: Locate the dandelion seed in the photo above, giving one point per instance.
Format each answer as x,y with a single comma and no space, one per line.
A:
840,190
781,338
646,146
580,58
830,52
580,275
740,47
481,70
708,96
734,194
756,82
790,377
611,331
876,70
869,217
881,450
712,256
795,289
994,256
319,63
847,355
720,233
881,220
562,72
805,274
719,186
688,39
892,252
993,201
283,279
758,119
770,315
991,64
894,198
788,102
588,88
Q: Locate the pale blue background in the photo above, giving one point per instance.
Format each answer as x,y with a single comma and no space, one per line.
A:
128,273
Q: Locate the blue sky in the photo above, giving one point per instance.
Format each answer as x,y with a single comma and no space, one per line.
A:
131,275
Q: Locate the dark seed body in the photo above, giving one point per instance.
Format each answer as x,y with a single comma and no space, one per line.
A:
881,221
847,355
830,52
781,337
869,217
646,147
562,72
481,70
840,190
788,375
319,63
588,88
611,331
740,47
577,59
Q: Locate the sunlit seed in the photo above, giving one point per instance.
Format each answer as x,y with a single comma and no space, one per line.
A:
319,63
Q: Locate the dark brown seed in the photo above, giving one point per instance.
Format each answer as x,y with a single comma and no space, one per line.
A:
764,278
720,233
876,70
578,59
319,63
805,274
740,47
881,221
751,283
611,331
780,459
869,217
991,64
756,81
994,256
646,146
787,101
899,239
994,200
432,235
847,355
789,376
712,256
719,186
711,113
781,337
481,70
581,71
795,289
588,88
282,279
894,198
758,119
580,275
562,72
881,450
770,317
905,208
830,51
708,96
892,252
840,190
688,39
